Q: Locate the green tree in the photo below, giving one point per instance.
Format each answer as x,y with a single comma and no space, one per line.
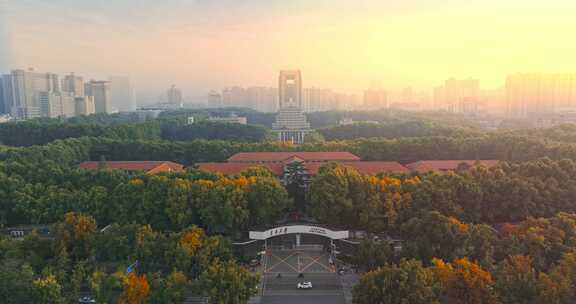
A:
77,278
517,280
226,282
559,285
554,289
47,290
16,282
170,289
75,236
105,286
435,235
223,208
406,283
374,254
214,131
337,195
295,179
266,200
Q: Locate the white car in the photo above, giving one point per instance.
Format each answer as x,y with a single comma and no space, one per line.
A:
86,300
305,285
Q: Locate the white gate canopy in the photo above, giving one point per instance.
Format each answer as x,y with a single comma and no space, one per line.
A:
303,229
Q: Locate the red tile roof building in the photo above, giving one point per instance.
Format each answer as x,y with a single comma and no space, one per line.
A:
150,167
424,166
284,157
276,162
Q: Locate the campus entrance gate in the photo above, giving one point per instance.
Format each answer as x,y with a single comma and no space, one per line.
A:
298,237
296,251
297,241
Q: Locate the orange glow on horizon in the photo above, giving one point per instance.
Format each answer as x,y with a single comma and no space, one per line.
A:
337,46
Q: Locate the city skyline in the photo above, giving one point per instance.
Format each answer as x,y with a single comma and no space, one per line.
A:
27,94
522,95
342,45
288,151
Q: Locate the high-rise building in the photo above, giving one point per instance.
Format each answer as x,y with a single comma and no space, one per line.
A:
534,94
258,98
3,102
262,99
22,92
84,105
407,99
345,102
234,97
50,105
291,124
214,99
458,96
375,98
68,104
73,84
7,93
175,97
318,100
122,94
56,104
100,90
290,90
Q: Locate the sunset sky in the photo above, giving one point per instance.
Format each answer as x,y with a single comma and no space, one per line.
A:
342,44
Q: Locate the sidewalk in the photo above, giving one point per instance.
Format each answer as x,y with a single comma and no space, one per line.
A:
348,281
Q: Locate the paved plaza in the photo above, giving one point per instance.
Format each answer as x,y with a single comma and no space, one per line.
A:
298,261
281,275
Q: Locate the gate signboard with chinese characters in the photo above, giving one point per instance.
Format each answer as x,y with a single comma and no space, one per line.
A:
298,229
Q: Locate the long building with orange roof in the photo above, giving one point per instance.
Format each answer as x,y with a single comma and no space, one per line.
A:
150,167
312,161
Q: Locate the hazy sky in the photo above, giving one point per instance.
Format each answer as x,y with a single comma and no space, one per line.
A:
5,55
342,44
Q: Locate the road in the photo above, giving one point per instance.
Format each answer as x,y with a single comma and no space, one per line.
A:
304,299
327,286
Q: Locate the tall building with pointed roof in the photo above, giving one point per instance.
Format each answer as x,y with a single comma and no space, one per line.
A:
291,124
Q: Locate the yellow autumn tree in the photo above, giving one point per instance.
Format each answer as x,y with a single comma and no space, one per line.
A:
464,281
75,235
392,198
47,290
459,226
191,240
136,290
